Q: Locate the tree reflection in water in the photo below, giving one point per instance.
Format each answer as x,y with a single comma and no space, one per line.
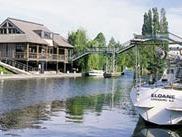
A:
83,106
74,108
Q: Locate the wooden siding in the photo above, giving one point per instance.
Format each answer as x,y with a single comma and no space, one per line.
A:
7,50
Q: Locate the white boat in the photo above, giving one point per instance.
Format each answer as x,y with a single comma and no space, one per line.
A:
160,103
97,73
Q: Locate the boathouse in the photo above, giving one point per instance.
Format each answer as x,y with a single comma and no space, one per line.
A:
33,44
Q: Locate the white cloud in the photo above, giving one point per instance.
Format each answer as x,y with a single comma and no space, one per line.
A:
117,18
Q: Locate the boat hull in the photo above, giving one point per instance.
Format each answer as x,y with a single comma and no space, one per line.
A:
158,105
96,73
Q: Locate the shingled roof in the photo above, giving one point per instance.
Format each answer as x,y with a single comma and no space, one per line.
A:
29,34
60,41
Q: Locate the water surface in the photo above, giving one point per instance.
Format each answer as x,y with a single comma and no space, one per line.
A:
72,107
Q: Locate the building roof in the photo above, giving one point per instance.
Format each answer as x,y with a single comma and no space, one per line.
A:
61,41
13,38
28,28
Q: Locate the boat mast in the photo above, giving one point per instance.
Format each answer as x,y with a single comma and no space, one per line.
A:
137,67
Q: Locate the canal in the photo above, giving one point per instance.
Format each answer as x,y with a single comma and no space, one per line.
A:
72,107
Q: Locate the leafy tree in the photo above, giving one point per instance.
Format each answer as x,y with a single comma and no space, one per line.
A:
152,26
112,43
145,27
156,25
97,61
80,41
100,40
163,22
149,25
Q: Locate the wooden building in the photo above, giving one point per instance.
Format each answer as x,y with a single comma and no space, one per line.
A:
33,44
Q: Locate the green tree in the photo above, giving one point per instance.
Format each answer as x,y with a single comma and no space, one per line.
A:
80,41
149,25
152,26
112,42
156,24
97,61
100,40
145,26
163,22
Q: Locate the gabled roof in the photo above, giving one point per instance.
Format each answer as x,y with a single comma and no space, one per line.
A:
60,41
13,38
28,28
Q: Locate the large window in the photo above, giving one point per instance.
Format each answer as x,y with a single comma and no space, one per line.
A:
20,48
8,28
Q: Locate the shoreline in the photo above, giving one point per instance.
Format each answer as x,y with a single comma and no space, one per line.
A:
39,76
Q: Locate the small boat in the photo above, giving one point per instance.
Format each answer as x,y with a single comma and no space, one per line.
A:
96,73
109,75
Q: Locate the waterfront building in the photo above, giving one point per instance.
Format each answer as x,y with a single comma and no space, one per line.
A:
33,44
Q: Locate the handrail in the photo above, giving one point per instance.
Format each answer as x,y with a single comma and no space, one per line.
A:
31,55
18,65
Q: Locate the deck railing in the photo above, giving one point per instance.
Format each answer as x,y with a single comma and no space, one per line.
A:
39,56
19,65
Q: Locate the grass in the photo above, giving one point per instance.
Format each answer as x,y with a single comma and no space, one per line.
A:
4,71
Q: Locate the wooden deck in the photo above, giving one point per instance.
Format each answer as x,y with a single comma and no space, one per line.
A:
40,57
24,56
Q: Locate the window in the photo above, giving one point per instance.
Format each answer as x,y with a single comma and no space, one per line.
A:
10,25
4,25
4,31
8,28
20,48
38,32
47,35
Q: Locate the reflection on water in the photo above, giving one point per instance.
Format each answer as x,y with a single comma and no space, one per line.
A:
67,107
82,107
143,130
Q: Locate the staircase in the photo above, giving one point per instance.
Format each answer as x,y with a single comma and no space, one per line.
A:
16,66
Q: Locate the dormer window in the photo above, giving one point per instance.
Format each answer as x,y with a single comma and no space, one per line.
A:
47,35
43,34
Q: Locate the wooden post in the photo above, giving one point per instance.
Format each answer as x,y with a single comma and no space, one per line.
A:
64,67
37,52
47,57
27,65
46,66
28,51
65,55
27,55
57,52
46,53
57,65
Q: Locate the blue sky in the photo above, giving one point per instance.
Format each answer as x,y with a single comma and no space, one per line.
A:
117,18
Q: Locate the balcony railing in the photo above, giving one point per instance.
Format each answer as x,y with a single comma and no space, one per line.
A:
40,56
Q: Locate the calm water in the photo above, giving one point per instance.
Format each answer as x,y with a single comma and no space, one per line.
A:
81,107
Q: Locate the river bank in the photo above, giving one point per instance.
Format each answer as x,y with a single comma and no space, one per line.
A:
40,76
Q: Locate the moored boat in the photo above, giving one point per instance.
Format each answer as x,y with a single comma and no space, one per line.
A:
96,73
160,103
